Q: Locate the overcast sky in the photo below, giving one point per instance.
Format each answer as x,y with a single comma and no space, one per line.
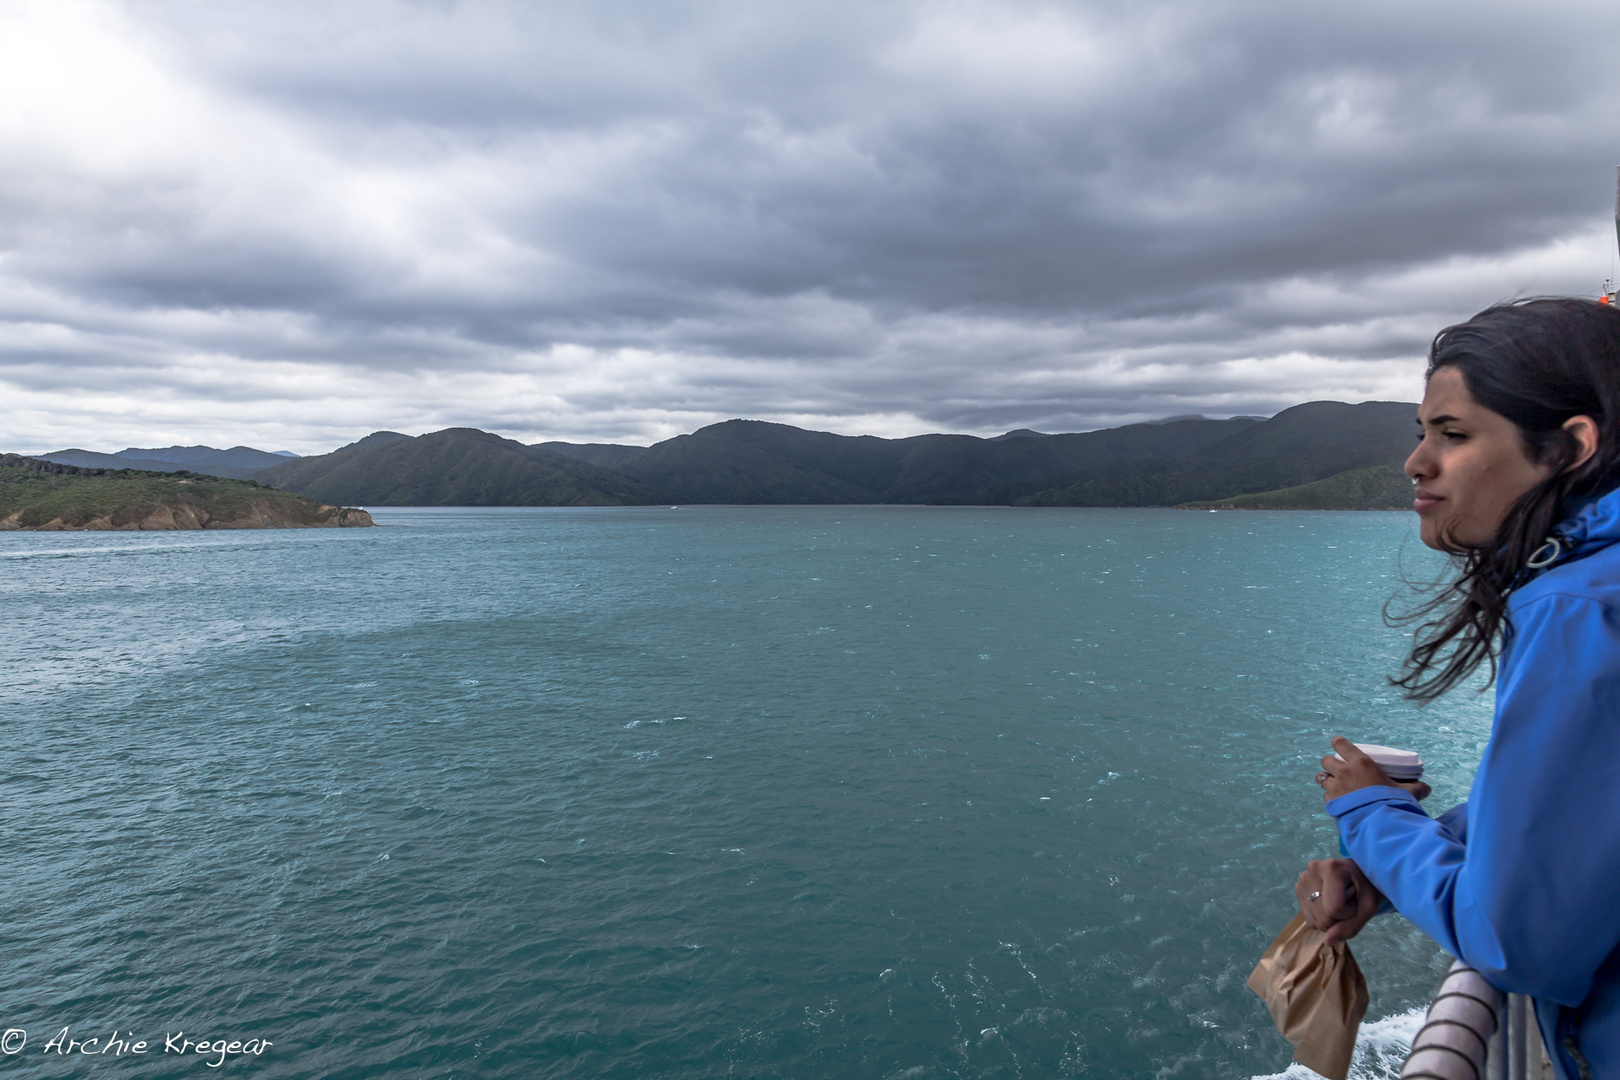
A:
288,224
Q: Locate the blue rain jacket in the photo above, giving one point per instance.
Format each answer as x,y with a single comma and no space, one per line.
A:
1523,881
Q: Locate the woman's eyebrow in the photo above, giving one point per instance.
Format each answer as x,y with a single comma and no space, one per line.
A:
1446,418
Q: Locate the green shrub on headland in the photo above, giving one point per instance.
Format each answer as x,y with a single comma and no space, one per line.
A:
45,496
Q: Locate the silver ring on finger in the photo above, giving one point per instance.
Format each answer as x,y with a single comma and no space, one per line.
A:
1322,777
1314,897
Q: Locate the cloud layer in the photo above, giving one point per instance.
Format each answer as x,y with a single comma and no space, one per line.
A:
292,224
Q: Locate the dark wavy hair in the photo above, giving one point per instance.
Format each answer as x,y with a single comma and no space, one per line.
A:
1538,363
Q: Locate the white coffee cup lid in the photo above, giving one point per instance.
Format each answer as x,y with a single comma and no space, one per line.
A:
1398,764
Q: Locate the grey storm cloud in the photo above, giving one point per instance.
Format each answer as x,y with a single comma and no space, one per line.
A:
287,223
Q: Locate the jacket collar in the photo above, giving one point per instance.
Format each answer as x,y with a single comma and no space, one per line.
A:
1591,523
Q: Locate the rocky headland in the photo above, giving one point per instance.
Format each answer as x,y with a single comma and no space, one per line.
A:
45,496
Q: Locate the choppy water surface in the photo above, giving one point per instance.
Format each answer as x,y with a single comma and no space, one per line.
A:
795,792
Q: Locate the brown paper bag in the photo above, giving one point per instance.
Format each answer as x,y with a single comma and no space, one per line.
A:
1316,995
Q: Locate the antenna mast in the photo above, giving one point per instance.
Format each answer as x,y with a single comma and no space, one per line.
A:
1611,291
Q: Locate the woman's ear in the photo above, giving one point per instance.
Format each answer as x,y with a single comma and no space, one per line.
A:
1584,430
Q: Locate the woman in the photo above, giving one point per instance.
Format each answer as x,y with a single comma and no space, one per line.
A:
1517,475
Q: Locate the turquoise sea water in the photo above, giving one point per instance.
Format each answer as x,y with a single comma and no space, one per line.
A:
755,792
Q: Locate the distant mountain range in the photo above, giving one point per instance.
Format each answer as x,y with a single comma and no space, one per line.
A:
455,467
1320,455
238,463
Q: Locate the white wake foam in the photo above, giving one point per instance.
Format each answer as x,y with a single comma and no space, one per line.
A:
1381,1048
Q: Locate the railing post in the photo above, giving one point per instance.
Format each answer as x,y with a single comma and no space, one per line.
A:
1518,1048
1534,1053
1496,1055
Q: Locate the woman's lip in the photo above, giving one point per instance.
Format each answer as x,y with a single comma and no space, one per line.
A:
1424,502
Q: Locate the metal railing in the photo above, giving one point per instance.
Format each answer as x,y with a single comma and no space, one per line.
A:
1476,1032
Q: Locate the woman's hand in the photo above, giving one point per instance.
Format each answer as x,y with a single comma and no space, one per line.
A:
1335,896
1357,771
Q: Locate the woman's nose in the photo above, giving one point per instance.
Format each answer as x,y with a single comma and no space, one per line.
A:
1419,464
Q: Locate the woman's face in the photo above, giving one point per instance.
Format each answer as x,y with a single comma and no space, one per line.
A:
1470,466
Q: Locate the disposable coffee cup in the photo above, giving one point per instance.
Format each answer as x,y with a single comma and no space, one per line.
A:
1397,764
